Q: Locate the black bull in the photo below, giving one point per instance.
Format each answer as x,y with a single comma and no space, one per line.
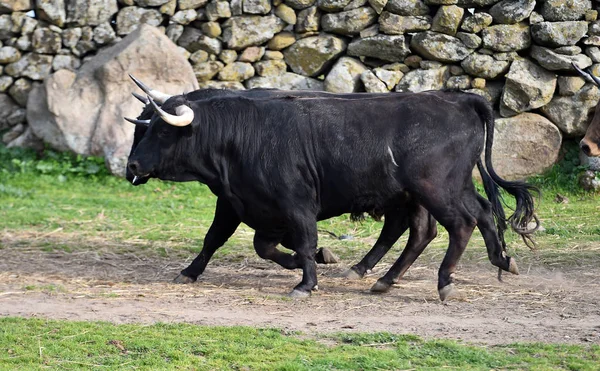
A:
281,164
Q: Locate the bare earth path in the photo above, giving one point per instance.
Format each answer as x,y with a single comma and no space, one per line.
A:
539,305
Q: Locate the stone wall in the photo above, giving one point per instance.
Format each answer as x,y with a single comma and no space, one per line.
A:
516,53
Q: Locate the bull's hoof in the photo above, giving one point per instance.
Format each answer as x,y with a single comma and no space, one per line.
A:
326,256
380,287
184,279
351,274
298,294
446,291
512,266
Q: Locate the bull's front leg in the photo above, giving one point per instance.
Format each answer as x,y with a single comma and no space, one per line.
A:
223,226
304,234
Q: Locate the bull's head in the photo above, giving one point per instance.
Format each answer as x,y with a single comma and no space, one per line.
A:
590,144
156,133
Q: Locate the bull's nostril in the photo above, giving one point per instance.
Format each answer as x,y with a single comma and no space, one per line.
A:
585,148
133,166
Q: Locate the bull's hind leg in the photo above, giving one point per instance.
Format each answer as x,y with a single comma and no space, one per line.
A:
224,224
394,225
423,230
481,209
266,247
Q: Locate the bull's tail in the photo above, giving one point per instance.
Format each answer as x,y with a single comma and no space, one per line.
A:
524,212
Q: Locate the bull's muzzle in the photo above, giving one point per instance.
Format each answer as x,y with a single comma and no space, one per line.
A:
589,148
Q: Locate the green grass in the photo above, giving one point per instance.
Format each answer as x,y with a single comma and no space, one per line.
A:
40,344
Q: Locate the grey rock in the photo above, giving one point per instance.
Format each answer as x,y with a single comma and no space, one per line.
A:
67,62
83,112
86,43
53,11
378,5
569,85
476,3
29,25
286,81
484,66
71,36
558,62
7,108
389,78
568,50
5,83
439,47
312,55
589,180
535,17
270,67
349,22
300,4
236,71
422,80
147,3
13,133
252,54
572,114
184,17
191,4
476,22
174,32
506,38
332,5
205,71
391,48
193,40
10,6
528,86
448,19
308,20
46,41
344,76
104,34
23,43
168,8
512,11
242,32
230,85
91,12
287,14
538,142
212,29
470,40
226,56
392,24
565,10
370,31
428,65
407,7
217,10
371,83
20,90
257,6
27,140
558,33
9,54
129,19
461,82
594,53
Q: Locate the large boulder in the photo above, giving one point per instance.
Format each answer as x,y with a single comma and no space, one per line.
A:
407,7
506,38
524,145
528,86
572,114
553,61
312,55
91,12
344,77
392,24
485,66
83,112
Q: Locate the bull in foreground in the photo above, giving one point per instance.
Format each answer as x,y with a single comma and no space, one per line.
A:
412,216
281,164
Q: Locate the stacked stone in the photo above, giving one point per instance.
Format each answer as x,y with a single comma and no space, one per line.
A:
516,53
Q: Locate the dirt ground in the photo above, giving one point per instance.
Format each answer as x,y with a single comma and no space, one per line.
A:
542,304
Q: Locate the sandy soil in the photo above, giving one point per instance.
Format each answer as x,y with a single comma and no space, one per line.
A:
541,304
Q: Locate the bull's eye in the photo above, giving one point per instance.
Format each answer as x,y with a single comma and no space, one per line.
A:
163,133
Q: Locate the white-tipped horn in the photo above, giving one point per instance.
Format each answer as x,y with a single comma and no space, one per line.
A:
159,97
183,117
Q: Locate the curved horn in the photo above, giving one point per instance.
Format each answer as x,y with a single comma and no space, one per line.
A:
140,97
184,115
583,74
138,122
158,96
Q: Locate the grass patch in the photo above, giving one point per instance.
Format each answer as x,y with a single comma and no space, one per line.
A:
40,344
